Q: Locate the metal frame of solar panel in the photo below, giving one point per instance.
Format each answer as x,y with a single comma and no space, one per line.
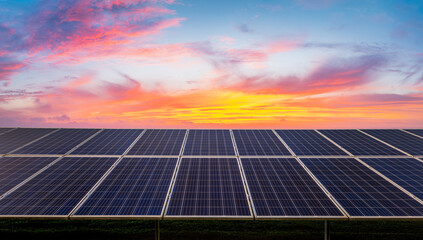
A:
228,170
159,142
209,142
362,192
358,143
401,140
136,188
108,142
263,142
309,143
5,130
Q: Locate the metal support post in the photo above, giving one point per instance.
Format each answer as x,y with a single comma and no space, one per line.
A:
327,232
157,230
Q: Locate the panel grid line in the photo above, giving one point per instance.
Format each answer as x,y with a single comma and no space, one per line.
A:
404,130
336,144
32,141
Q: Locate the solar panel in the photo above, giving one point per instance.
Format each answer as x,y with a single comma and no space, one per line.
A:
360,191
14,170
19,137
259,143
157,142
359,144
58,189
406,172
309,142
209,142
416,131
4,130
109,142
208,187
59,142
399,139
280,187
136,187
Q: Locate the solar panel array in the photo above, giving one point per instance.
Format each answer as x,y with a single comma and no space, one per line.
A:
211,174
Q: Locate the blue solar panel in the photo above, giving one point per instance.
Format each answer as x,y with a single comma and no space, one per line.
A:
19,137
109,142
281,187
209,142
4,130
309,142
399,139
14,170
208,187
360,191
406,172
358,143
416,131
259,143
136,186
157,142
59,142
58,189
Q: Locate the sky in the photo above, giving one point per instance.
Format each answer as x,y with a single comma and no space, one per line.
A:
211,64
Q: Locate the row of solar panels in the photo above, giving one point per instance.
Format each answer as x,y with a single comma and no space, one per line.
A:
156,142
258,178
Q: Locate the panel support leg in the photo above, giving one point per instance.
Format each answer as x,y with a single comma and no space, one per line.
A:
327,232
157,230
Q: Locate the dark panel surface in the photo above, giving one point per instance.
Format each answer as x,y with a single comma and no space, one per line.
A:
19,137
281,187
58,189
136,186
59,142
13,170
208,187
358,143
361,191
309,142
259,143
3,130
416,131
208,143
159,142
399,139
109,142
406,172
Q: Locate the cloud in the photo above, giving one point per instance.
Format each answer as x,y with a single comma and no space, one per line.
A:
8,67
244,28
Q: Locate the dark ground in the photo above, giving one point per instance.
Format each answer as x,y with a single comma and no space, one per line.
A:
304,230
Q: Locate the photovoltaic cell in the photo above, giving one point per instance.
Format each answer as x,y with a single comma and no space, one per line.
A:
406,172
19,137
361,191
281,187
399,139
358,143
208,187
58,189
159,142
209,142
136,187
109,142
14,170
416,131
309,142
59,142
259,143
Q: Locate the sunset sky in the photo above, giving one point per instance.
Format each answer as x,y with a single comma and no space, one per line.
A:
211,64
